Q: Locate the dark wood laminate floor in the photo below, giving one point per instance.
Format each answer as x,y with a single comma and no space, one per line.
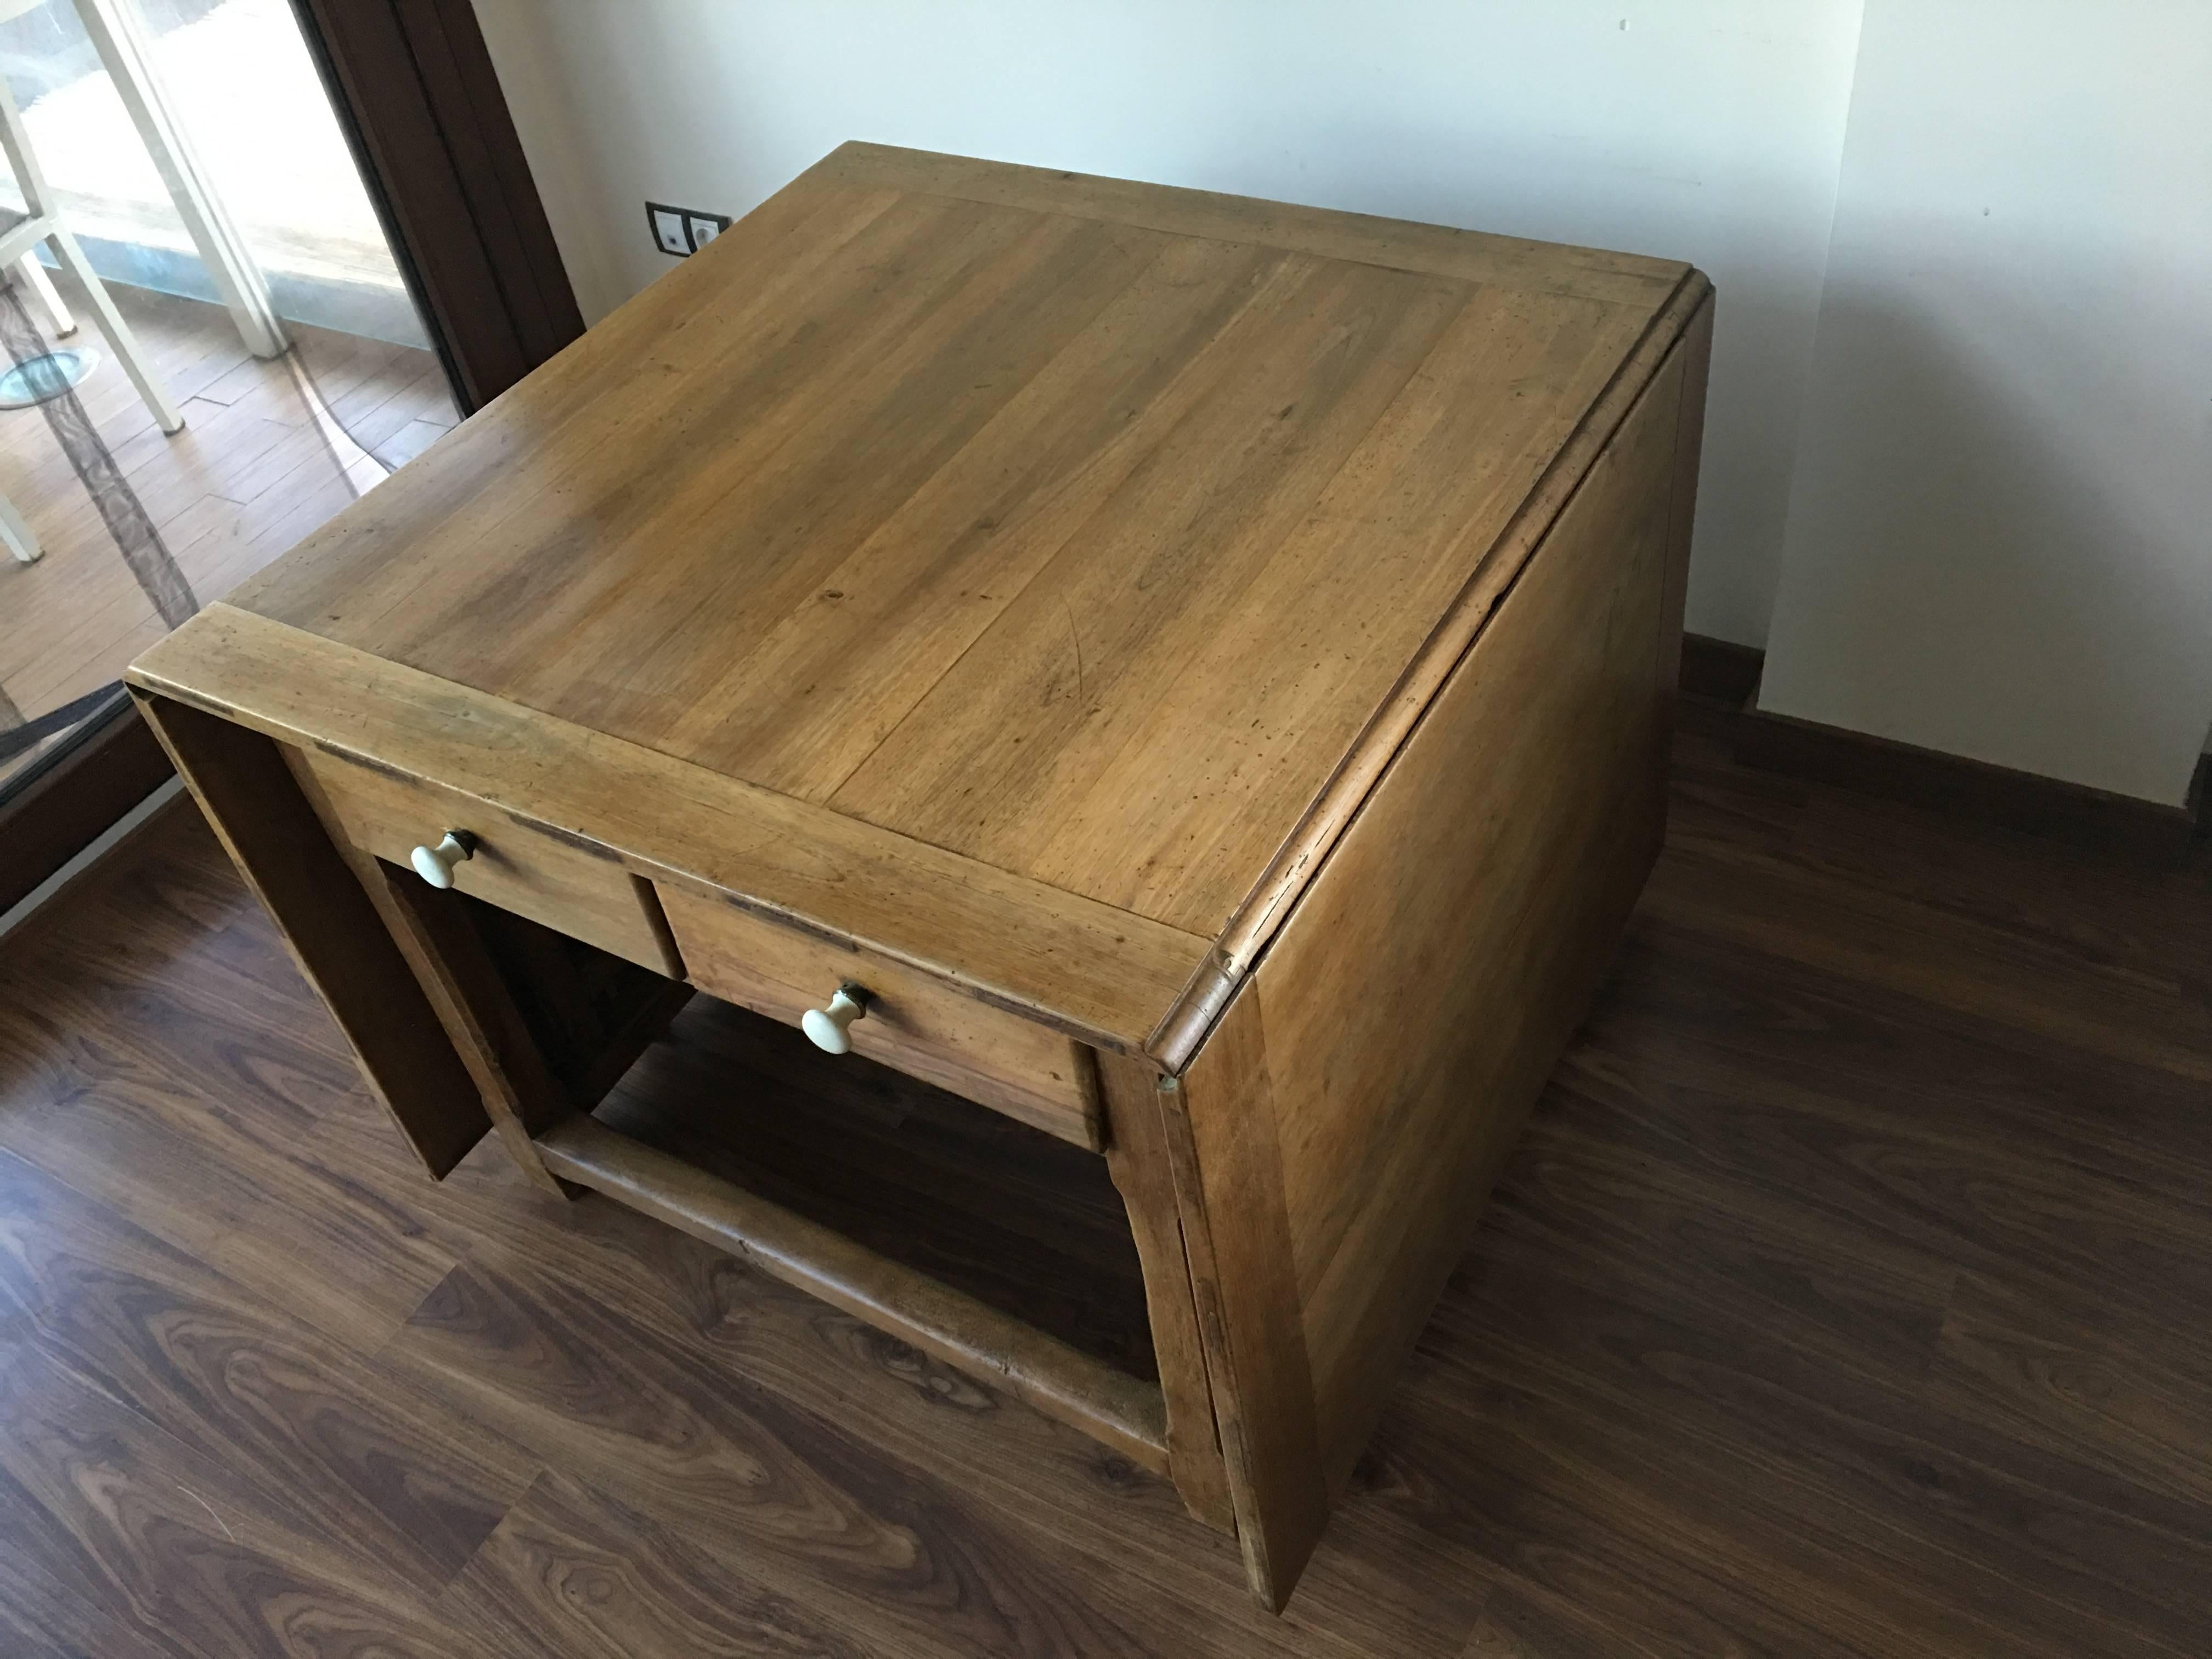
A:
1850,1294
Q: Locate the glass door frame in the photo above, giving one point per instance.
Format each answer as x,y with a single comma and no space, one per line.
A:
414,92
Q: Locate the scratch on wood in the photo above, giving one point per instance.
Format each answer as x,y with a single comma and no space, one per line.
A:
210,1508
1069,610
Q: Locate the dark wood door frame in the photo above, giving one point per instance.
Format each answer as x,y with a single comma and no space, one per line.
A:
416,96
415,90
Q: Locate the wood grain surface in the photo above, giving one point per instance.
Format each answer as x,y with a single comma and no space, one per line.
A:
242,783
1122,1413
1846,1297
1358,238
1064,589
1221,1132
913,1021
480,1010
1099,973
1009,1215
1687,317
1076,526
1418,997
575,890
1142,1163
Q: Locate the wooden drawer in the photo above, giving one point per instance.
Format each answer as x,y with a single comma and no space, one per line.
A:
914,1022
570,885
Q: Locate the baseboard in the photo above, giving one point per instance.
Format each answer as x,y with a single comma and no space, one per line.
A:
47,821
125,832
2166,837
1721,671
1995,795
375,311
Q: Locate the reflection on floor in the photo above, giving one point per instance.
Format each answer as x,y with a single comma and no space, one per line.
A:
269,452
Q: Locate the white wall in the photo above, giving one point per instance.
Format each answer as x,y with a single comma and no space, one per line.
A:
2000,542
1703,130
1996,539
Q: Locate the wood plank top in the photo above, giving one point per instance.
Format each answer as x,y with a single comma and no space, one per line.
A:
1089,530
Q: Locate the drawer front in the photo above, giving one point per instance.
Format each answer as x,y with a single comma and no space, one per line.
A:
914,1022
569,887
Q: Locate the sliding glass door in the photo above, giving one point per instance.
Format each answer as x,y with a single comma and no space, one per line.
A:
212,263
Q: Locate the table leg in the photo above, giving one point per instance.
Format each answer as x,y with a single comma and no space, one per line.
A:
487,1031
265,823
1137,1157
1219,1121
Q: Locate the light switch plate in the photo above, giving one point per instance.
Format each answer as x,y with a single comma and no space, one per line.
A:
669,233
679,231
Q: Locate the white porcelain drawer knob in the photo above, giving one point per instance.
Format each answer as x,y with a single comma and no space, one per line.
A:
826,1028
435,864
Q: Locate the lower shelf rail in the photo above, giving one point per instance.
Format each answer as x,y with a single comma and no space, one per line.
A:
1124,1412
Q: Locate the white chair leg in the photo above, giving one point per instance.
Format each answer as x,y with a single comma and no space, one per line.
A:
119,336
116,34
16,534
40,286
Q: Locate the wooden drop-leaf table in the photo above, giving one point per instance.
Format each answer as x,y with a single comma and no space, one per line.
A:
1194,674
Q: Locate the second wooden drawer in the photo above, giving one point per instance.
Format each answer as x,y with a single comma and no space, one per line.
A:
915,1022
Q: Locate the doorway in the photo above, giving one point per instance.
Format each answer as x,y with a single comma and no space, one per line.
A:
306,317
135,528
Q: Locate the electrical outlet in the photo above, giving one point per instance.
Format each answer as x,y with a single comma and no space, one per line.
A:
683,231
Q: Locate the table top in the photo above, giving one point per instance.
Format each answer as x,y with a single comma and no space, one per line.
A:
1104,535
